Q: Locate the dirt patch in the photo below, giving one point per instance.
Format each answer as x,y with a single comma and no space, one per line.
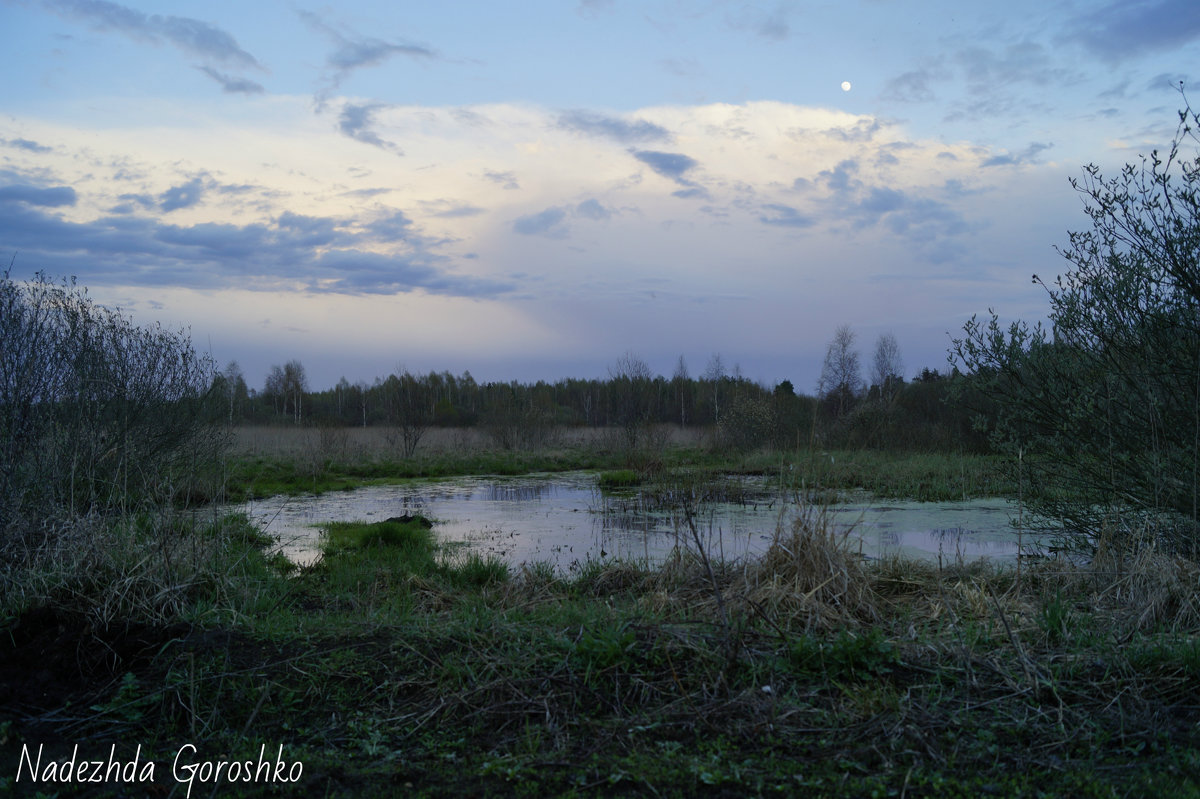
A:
49,658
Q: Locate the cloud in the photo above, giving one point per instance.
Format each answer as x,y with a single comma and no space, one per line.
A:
670,165
771,25
356,120
184,196
458,211
864,130
621,130
1022,62
594,5
132,202
368,52
506,179
784,216
682,67
841,178
1026,156
695,192
218,240
310,231
373,192
911,87
925,216
774,26
1168,81
359,271
395,227
26,144
594,210
547,223
315,254
186,33
352,52
1128,28
880,201
232,85
53,197
144,200
922,220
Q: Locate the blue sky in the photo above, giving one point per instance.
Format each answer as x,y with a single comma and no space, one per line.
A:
530,190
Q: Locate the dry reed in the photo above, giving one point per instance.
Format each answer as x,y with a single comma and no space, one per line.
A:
811,576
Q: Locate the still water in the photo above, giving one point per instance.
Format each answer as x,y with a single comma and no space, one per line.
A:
565,519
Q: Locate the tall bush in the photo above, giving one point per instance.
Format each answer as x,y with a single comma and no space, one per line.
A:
1102,410
96,414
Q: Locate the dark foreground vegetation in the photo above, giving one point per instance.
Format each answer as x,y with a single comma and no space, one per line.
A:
173,651
391,667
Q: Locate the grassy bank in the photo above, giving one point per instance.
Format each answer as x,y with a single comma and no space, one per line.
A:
268,461
396,667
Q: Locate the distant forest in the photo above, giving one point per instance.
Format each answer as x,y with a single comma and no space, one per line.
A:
926,413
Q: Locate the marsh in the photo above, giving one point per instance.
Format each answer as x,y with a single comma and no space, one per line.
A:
566,519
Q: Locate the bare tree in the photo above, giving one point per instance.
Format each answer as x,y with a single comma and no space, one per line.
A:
841,380
632,384
295,383
342,388
683,383
887,367
234,386
407,404
362,388
716,373
276,389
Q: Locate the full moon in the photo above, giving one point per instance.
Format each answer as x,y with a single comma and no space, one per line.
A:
845,85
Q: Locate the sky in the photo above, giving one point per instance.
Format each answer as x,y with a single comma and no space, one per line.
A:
531,190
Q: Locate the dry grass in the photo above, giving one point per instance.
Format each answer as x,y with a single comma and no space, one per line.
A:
372,443
114,570
811,577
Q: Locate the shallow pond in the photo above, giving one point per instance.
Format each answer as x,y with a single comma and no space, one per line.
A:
565,519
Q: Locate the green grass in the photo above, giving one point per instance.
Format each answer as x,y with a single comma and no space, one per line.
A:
397,666
260,476
923,477
619,479
412,536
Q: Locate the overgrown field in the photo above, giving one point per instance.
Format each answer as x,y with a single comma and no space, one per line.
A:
394,667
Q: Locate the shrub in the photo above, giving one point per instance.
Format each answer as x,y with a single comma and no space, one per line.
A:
1102,411
97,415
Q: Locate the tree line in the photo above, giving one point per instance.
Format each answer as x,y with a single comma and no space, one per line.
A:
883,411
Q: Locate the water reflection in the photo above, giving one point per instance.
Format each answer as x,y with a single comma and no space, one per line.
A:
524,492
565,520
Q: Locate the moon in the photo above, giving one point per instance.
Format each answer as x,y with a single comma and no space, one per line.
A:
845,85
